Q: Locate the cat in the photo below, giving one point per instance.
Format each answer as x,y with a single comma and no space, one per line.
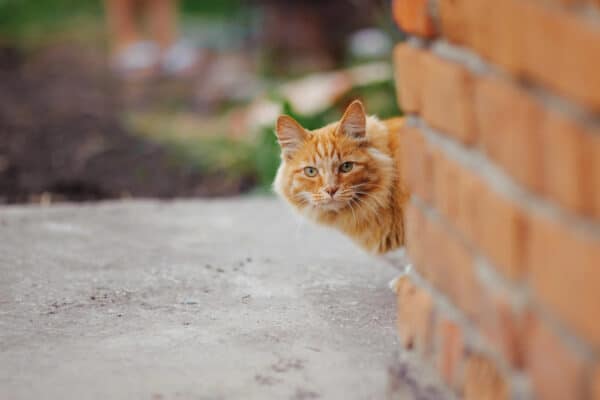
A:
346,175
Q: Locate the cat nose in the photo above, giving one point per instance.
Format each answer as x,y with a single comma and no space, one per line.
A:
331,190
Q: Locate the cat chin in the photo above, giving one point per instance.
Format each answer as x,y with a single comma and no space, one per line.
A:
330,207
315,211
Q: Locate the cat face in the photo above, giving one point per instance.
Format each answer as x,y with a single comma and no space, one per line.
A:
331,169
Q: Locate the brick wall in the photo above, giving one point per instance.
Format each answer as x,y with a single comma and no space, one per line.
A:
502,155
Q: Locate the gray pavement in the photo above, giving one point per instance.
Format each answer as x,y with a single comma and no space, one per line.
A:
223,299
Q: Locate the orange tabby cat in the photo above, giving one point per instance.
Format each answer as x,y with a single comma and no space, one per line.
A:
345,175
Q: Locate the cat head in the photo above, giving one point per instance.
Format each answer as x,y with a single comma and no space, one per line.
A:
335,168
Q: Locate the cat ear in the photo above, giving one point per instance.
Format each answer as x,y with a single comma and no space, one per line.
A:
290,135
354,121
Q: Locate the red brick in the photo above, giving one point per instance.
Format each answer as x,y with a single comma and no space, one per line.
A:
443,260
416,163
415,238
409,147
418,239
412,16
450,353
568,2
508,121
470,210
432,234
563,52
490,27
415,316
487,218
448,98
462,285
444,184
568,163
504,327
553,47
483,381
405,291
408,76
426,234
556,372
595,173
459,19
504,42
563,272
503,233
596,384
499,222
448,265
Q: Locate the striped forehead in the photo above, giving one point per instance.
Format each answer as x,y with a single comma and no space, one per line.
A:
325,149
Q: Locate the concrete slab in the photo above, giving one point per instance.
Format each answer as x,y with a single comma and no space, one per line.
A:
223,299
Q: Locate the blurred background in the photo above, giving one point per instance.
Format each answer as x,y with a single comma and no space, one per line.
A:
163,98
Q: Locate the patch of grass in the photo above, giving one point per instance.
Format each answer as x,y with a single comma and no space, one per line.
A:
266,158
201,144
214,154
24,22
212,8
28,23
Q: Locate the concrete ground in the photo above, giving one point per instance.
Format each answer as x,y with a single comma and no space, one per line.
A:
224,299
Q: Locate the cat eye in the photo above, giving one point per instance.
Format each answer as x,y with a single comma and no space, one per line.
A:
347,166
310,171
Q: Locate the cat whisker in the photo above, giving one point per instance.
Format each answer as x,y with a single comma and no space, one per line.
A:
370,207
373,185
302,202
353,214
365,201
300,197
374,208
346,190
366,186
342,196
369,195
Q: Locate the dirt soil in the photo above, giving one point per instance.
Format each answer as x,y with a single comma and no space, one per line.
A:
61,137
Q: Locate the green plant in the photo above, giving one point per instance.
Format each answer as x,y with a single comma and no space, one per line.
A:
212,8
24,21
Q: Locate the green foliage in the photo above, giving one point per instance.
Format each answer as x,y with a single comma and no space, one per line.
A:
211,8
312,121
26,20
212,154
266,158
213,151
379,99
